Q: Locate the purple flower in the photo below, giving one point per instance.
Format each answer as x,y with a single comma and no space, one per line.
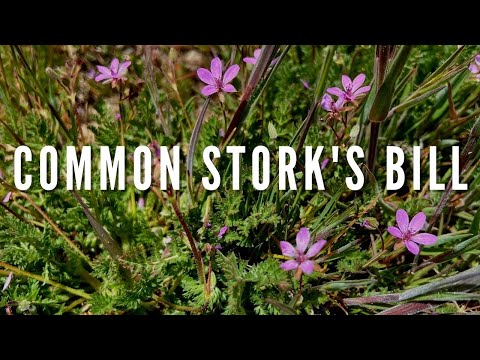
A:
215,80
306,85
300,258
8,281
141,203
408,231
118,116
7,197
475,67
218,247
328,104
352,89
155,147
221,133
222,231
207,225
256,54
253,60
324,163
114,73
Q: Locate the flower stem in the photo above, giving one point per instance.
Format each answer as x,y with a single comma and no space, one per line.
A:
20,272
372,146
193,244
225,122
122,130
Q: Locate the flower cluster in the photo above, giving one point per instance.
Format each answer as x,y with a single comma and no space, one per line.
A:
475,67
407,232
351,91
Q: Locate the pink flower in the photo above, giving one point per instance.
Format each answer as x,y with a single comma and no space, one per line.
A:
300,258
305,84
7,197
408,231
324,163
216,82
141,203
155,147
253,60
222,231
475,67
114,74
328,104
353,89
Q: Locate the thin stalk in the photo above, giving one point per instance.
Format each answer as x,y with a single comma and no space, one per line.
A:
197,256
20,272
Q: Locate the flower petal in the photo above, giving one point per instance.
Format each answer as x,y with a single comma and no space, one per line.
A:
303,238
324,163
402,220
305,84
335,91
101,77
206,76
477,59
412,247
315,248
209,90
393,230
474,69
417,222
229,88
357,82
289,265
307,266
8,281
216,68
230,74
104,70
123,67
256,53
362,90
327,102
114,66
7,197
222,231
424,239
287,249
346,82
339,103
250,60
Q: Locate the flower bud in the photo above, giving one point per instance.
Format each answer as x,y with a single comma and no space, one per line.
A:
369,223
